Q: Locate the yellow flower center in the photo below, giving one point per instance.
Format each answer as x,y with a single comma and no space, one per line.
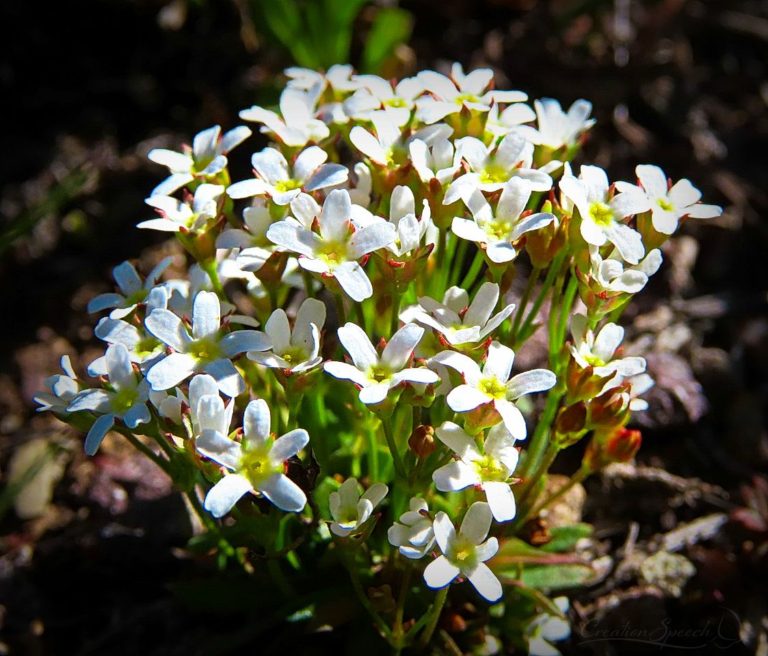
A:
395,102
256,465
664,204
498,229
379,373
146,346
294,355
287,185
333,253
601,213
493,387
123,400
490,469
466,97
205,349
463,553
494,173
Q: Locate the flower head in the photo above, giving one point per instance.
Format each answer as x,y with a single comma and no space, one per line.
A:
413,534
132,290
184,216
257,462
62,388
598,351
465,552
556,128
377,375
350,510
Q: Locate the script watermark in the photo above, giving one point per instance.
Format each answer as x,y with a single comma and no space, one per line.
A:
719,633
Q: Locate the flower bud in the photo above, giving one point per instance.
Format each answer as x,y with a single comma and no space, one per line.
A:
605,448
570,424
422,441
611,408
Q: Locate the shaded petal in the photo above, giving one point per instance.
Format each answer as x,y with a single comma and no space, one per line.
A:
445,533
499,361
440,572
353,280
242,341
105,301
485,582
359,347
257,422
171,370
138,414
346,372
456,439
283,492
288,445
206,315
168,328
512,417
370,239
528,382
455,476
94,400
476,522
227,377
97,432
271,165
628,242
607,341
223,496
482,305
127,279
400,348
212,444
294,238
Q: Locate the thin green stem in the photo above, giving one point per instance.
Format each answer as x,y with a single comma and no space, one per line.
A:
357,585
209,266
395,319
398,634
386,423
136,443
474,271
532,280
546,286
578,477
434,617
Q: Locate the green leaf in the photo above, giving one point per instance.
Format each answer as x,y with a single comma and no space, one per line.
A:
391,27
555,577
564,538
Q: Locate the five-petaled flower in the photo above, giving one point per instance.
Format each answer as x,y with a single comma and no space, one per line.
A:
257,462
465,552
413,534
350,509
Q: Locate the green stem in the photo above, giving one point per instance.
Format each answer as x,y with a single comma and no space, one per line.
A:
395,320
552,273
357,585
474,271
434,616
397,630
209,266
386,423
143,448
532,280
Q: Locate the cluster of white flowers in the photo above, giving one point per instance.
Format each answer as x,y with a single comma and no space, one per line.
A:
371,194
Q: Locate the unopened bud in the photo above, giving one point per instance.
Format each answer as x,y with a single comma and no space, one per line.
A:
422,440
572,419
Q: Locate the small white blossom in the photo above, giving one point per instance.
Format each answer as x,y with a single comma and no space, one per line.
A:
204,160
62,388
376,93
350,510
257,462
668,204
274,178
492,384
500,124
555,128
298,350
438,161
296,124
182,216
252,247
413,534
545,629
133,290
459,321
597,351
336,249
376,375
143,349
465,552
491,167
612,275
489,469
206,349
125,399
601,216
451,95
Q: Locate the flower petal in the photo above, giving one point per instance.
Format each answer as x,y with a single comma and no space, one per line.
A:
440,572
476,522
227,377
206,315
485,582
171,370
445,533
288,445
283,492
400,348
168,328
212,444
501,500
223,496
97,432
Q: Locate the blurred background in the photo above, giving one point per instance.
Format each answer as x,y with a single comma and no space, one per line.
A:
92,556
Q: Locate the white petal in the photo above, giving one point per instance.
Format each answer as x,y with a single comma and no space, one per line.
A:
119,367
400,348
346,372
440,572
176,162
212,444
247,189
367,144
531,222
455,476
482,305
223,496
359,347
293,237
456,439
501,500
206,315
271,165
104,302
288,445
283,492
499,361
374,393
513,419
445,533
171,370
242,341
227,377
353,280
168,328
329,175
607,341
257,422
485,582
528,382
465,398
335,215
683,194
370,239
308,161
628,242
97,432
96,400
476,522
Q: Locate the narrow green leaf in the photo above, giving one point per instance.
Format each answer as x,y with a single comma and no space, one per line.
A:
391,27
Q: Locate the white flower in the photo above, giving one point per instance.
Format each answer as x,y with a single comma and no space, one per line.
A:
376,93
335,250
638,385
413,534
257,462
282,184
501,124
143,349
555,128
207,410
205,159
251,243
388,144
458,320
611,274
489,469
62,388
411,231
491,167
545,629
205,350
181,216
338,77
298,350
597,351
296,124
669,204
125,399
493,385
451,95
376,375
601,217
498,232
465,553
438,161
133,290
350,510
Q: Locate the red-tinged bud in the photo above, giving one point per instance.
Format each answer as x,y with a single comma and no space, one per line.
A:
571,419
271,272
483,416
610,409
582,383
422,441
606,447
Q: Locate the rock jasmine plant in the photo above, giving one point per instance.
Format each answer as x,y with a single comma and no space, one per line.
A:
334,387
